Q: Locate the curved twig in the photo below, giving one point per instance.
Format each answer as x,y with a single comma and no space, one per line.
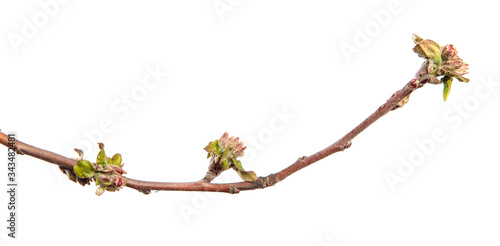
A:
396,101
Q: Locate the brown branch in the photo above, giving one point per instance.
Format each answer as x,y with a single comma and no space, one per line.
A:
397,100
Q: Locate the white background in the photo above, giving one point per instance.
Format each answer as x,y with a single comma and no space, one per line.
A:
239,66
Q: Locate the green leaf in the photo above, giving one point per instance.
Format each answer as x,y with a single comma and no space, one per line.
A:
226,154
429,49
447,86
238,165
84,169
224,163
101,157
246,175
116,160
213,147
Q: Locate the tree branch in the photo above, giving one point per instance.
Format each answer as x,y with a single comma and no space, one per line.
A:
439,61
394,102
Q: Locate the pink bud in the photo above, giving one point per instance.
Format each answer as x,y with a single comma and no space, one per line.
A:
223,141
104,178
448,52
118,181
119,170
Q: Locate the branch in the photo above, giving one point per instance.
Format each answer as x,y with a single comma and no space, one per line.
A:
440,61
261,182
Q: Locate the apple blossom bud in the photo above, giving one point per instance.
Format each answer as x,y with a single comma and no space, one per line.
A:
448,52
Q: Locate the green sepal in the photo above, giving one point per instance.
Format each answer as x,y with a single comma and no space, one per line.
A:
447,86
84,169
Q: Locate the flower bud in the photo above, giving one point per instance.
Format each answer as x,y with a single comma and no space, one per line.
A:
224,153
224,140
103,179
118,181
100,190
448,52
118,169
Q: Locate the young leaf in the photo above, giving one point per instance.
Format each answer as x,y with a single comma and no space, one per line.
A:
246,175
238,165
80,153
116,160
429,49
447,86
224,163
84,169
214,148
101,157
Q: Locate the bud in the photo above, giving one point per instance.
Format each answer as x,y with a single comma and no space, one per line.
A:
118,181
448,52
224,153
103,179
453,66
224,140
119,170
239,149
100,190
440,61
